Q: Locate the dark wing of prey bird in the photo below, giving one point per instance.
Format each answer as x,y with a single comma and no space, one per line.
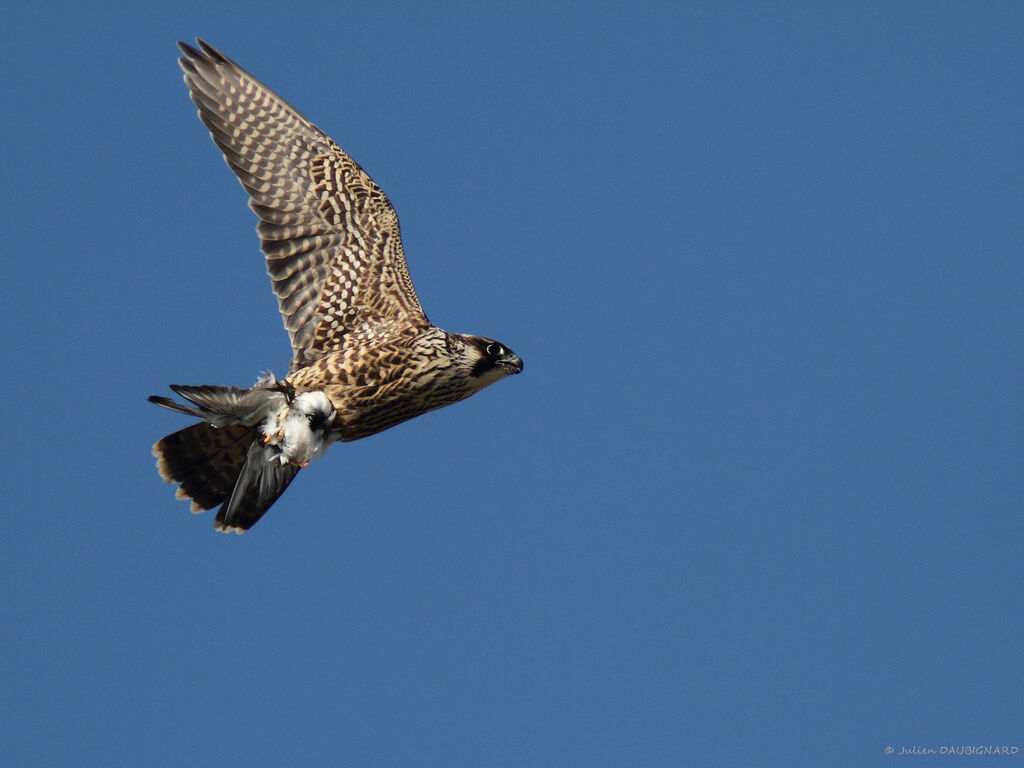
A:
364,355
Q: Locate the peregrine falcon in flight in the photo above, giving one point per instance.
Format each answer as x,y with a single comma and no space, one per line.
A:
364,355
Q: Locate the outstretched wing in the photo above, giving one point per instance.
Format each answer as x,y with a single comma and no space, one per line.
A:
330,235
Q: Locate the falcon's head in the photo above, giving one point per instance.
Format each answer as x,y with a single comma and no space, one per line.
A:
486,360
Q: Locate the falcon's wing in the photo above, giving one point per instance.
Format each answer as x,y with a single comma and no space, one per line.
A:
330,235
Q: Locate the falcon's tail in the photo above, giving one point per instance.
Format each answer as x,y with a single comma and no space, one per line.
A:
227,465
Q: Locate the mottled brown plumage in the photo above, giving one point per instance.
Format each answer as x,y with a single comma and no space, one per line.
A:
364,355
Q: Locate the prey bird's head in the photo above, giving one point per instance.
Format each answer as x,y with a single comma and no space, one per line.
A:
299,431
315,408
485,360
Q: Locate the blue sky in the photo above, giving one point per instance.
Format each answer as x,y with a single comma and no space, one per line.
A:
755,499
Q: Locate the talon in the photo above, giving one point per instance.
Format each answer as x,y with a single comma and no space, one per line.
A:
285,388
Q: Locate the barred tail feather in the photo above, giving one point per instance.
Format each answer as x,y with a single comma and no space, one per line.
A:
226,466
204,461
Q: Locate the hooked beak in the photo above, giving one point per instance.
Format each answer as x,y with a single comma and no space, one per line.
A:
512,362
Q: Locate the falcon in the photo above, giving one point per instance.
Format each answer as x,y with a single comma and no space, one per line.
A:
364,355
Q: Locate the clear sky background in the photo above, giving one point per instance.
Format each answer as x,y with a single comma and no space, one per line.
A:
755,500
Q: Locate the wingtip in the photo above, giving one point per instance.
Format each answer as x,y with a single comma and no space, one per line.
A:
193,59
210,51
203,51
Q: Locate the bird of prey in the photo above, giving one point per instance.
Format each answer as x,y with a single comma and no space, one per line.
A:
364,355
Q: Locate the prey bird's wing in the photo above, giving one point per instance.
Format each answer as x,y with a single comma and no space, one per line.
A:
224,405
329,234
261,481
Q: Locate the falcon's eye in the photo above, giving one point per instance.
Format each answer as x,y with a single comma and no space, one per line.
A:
494,350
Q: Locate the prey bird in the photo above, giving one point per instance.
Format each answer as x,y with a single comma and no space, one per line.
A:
364,355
